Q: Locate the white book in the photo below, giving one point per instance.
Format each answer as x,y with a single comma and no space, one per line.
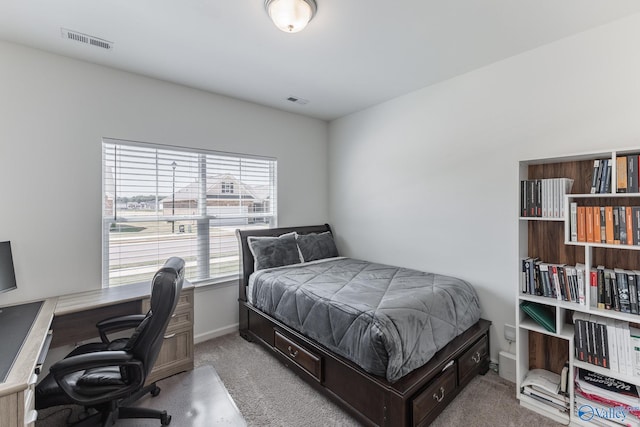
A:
634,334
581,284
612,345
622,348
545,201
567,184
543,379
556,198
629,354
573,221
594,182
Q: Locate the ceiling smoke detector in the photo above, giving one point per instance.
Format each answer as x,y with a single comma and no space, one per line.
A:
297,100
86,39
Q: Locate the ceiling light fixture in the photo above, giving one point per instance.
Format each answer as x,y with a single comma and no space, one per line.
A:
291,16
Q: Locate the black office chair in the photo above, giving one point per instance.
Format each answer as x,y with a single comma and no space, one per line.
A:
107,377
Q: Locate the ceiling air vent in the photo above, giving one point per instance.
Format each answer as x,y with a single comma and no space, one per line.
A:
297,100
86,39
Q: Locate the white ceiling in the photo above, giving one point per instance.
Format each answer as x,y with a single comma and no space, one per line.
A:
354,54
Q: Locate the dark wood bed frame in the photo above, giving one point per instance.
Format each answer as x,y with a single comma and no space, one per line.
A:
414,400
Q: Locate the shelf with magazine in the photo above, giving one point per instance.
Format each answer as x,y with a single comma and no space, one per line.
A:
557,267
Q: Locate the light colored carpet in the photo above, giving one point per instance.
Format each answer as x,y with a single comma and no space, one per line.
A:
268,394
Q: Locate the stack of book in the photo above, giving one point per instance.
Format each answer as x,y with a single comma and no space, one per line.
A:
544,197
627,174
544,387
560,281
608,343
600,398
601,177
613,225
615,289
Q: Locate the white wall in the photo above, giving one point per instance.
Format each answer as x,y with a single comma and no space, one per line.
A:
430,180
54,112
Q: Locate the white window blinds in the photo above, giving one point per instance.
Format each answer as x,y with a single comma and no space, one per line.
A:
163,201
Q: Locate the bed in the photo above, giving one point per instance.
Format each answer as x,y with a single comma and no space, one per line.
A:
392,346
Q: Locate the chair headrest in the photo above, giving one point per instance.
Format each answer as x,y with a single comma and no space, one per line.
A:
173,265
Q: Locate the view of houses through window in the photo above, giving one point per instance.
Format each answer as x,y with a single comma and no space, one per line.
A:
163,201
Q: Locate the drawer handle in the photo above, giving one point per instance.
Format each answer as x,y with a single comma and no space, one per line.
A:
292,352
439,398
166,337
476,357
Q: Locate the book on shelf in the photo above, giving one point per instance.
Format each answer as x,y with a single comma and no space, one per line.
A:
564,379
616,225
609,232
559,281
540,313
593,288
603,225
607,178
596,176
613,344
601,286
600,414
601,177
615,289
582,221
609,343
629,223
621,172
634,334
573,221
600,180
607,391
544,197
623,300
544,386
580,283
627,174
632,173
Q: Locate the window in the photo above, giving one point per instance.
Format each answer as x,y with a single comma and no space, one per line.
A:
227,187
161,201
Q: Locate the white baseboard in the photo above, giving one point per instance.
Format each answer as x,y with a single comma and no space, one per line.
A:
215,333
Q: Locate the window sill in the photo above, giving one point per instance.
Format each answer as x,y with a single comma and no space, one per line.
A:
217,283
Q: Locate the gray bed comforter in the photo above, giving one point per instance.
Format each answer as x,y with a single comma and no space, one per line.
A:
388,320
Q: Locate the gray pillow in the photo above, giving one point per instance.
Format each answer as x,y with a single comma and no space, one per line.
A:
269,252
317,246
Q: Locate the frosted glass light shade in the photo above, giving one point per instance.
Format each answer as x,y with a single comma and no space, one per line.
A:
291,16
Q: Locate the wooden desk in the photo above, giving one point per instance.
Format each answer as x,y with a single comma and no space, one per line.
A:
17,393
77,314
73,318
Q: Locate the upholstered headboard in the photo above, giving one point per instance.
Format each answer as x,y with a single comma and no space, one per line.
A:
246,257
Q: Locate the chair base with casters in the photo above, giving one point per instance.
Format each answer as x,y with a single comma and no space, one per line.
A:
106,378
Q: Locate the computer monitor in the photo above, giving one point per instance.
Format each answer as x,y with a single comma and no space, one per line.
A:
7,272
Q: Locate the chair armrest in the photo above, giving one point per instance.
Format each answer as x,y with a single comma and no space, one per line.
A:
86,361
98,359
119,323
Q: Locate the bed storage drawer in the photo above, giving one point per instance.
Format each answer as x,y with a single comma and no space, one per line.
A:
428,403
299,355
473,360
